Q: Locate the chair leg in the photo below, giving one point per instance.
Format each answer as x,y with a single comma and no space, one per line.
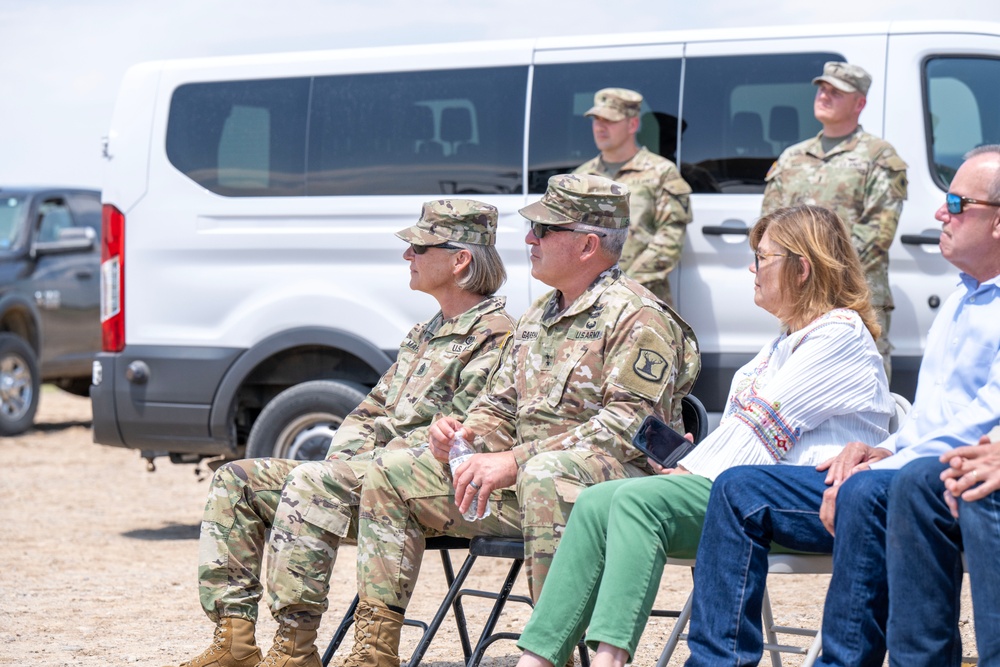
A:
456,606
678,632
772,638
449,599
487,636
814,650
338,636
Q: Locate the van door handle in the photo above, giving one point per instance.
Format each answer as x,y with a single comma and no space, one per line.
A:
921,239
719,230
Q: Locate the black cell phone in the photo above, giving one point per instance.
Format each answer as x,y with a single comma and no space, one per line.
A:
660,442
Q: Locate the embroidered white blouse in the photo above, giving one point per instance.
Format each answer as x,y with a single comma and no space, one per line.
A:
801,399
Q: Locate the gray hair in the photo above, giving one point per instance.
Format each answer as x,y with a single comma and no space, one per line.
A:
485,273
612,241
994,191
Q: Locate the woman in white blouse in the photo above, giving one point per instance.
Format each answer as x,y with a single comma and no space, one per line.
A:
819,385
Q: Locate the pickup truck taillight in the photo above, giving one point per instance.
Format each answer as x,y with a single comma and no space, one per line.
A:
112,279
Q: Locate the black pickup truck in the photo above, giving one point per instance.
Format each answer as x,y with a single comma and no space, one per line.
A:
50,330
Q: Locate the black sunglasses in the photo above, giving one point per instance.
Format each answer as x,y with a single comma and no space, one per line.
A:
540,230
956,203
421,249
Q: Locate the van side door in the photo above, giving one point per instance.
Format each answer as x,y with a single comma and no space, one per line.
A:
743,103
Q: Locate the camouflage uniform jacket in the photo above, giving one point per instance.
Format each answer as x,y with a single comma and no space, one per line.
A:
442,366
863,180
584,378
659,200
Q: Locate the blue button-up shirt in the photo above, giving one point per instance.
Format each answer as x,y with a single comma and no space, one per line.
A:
958,388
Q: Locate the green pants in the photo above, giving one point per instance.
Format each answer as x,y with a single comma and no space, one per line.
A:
607,568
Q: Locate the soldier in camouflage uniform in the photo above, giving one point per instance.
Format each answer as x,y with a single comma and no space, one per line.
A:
659,205
310,507
588,361
855,174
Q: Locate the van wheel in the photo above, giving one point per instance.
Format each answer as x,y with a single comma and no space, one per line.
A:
19,381
300,421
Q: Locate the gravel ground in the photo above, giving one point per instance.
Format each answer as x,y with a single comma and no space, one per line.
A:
100,557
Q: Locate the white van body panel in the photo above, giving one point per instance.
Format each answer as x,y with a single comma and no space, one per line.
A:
219,282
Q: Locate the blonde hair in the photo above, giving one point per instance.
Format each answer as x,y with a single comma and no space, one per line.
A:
485,273
836,279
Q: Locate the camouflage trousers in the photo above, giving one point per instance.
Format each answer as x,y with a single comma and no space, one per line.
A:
308,508
408,496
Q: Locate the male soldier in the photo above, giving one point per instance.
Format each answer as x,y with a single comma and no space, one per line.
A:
659,205
851,172
587,362
309,507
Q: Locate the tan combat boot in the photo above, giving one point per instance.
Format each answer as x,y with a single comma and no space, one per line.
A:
376,635
232,646
292,647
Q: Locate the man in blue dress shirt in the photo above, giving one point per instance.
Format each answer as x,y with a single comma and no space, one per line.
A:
956,404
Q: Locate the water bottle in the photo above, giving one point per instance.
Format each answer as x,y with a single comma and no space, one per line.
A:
459,454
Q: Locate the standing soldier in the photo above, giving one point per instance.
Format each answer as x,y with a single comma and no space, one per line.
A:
659,204
586,363
853,173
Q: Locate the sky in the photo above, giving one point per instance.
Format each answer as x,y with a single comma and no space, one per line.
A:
62,61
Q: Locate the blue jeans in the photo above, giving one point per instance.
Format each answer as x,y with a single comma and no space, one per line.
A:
753,506
925,570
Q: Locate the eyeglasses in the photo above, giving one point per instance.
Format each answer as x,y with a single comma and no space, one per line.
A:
421,249
540,230
757,256
956,203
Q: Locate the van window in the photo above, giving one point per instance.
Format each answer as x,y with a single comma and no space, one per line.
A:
561,137
241,138
443,132
740,112
962,103
440,132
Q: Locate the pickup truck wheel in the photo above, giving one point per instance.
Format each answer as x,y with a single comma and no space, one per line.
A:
300,421
19,382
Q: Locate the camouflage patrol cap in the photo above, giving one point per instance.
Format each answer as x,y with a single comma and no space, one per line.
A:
846,77
616,104
584,198
460,220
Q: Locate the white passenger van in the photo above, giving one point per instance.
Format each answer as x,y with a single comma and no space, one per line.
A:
250,203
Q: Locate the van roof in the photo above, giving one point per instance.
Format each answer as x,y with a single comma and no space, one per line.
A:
595,41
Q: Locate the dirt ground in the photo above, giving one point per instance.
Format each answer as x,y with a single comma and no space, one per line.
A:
99,562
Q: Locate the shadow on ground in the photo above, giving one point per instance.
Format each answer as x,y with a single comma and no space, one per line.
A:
174,531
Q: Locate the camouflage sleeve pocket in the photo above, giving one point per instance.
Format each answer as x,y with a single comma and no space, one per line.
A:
647,368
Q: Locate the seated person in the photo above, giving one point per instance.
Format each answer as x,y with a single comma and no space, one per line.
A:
938,508
310,506
957,402
817,385
587,361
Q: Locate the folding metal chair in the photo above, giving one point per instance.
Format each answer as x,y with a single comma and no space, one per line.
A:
442,544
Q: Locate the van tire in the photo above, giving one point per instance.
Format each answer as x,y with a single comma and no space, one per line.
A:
300,421
19,385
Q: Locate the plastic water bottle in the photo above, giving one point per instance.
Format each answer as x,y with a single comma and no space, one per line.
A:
460,452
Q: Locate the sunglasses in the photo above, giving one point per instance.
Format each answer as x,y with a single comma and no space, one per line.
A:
421,249
540,230
757,256
956,203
